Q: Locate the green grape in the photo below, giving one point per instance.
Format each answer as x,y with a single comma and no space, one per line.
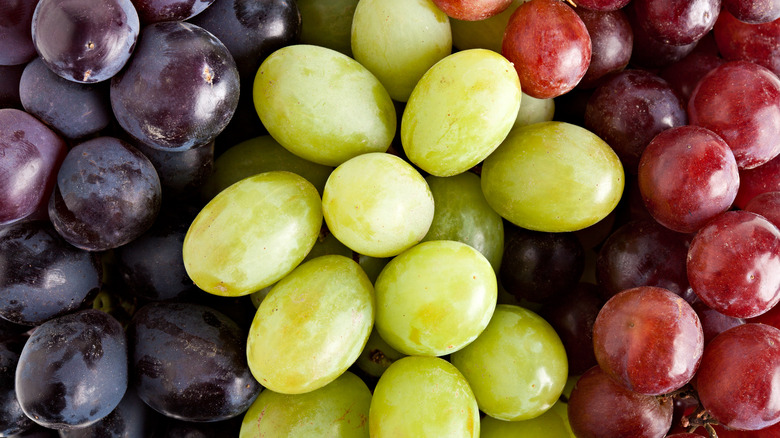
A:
323,105
337,410
399,40
312,326
553,177
483,34
252,234
461,213
547,425
460,111
372,265
435,298
377,204
258,155
423,397
533,110
517,367
377,355
327,23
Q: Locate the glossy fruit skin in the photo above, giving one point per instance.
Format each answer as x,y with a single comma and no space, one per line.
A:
132,418
767,205
472,10
16,45
552,64
152,11
740,393
757,43
12,419
611,43
753,11
685,74
758,180
649,52
677,22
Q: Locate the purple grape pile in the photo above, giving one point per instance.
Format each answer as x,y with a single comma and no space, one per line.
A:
252,218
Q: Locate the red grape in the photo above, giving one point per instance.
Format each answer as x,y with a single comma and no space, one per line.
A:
767,205
684,74
713,322
472,10
753,11
676,22
759,43
611,42
758,180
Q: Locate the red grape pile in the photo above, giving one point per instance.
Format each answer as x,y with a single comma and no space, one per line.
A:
389,218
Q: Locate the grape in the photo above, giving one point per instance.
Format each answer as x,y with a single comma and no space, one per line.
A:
73,370
549,46
460,111
377,204
322,105
398,50
472,10
547,425
733,263
533,110
482,34
553,177
188,362
252,234
462,214
648,339
16,45
714,322
132,418
757,43
517,367
85,40
377,355
312,326
603,5
736,381
611,42
676,22
328,24
435,298
761,179
753,11
684,74
10,75
423,397
338,409
152,11
181,173
767,205
649,52
12,419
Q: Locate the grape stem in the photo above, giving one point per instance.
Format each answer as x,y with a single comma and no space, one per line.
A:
700,417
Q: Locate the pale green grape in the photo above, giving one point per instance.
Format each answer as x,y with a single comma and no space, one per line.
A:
327,23
461,213
547,425
258,155
423,397
337,410
553,177
435,298
252,234
533,110
377,204
460,111
482,34
312,326
323,105
517,367
377,355
399,40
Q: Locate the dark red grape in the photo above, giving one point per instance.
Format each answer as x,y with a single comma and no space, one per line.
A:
10,75
85,40
601,408
740,101
602,5
472,10
16,45
152,11
549,46
611,42
676,22
737,380
734,264
107,194
767,205
31,155
649,52
759,43
649,340
684,74
630,108
713,322
753,11
770,317
179,90
12,419
761,179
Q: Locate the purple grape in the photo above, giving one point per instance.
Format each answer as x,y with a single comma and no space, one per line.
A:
12,419
153,11
10,75
132,418
649,52
612,40
16,44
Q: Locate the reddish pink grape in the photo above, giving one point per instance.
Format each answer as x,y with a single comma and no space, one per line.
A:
761,179
648,339
549,46
759,43
677,22
602,5
472,10
684,74
737,380
16,45
740,101
687,176
767,205
753,11
734,264
601,408
713,322
611,42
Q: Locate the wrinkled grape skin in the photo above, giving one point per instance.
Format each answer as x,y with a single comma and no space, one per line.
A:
677,22
740,393
472,10
12,419
152,11
611,42
599,408
16,45
552,64
687,176
750,42
85,40
733,264
761,179
767,205
740,101
648,339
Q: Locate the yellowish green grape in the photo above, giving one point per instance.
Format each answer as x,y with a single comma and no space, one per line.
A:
323,105
460,111
547,425
399,40
377,204
312,326
372,265
327,23
483,34
435,298
423,397
533,110
337,410
252,234
517,367
461,213
553,177
377,355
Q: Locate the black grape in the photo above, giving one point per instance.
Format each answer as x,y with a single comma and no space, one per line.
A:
182,173
16,45
12,418
132,418
152,11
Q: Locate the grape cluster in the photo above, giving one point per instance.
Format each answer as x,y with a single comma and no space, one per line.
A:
389,218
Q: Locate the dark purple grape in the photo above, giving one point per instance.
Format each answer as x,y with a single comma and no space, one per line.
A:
179,90
41,275
73,370
10,75
684,74
132,418
153,11
16,44
73,109
107,194
759,43
30,155
713,322
12,419
611,39
189,362
182,173
85,40
676,22
753,11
